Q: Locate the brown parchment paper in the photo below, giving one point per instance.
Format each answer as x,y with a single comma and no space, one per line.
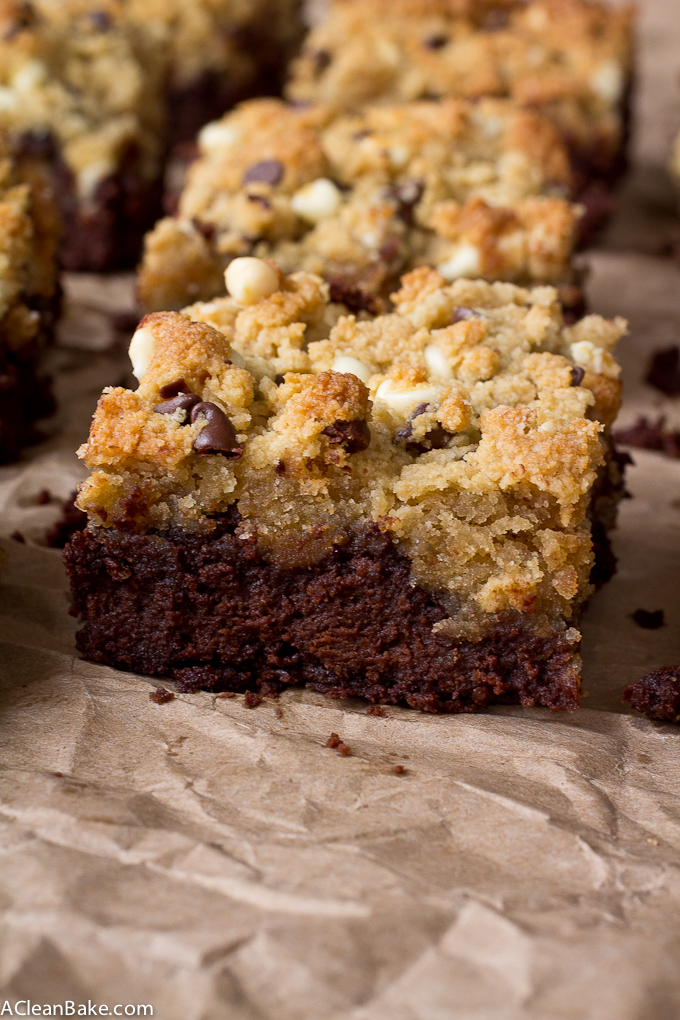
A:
220,862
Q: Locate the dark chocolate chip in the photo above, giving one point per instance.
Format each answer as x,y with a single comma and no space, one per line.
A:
664,371
161,696
207,230
408,195
436,439
171,389
353,436
462,314
267,171
218,434
647,620
280,469
355,297
100,20
279,379
495,20
183,401
577,375
322,59
435,42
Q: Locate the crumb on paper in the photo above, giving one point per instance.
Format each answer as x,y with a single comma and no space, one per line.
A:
161,696
338,745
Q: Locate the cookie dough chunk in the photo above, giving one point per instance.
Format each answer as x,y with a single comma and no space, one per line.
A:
475,189
397,507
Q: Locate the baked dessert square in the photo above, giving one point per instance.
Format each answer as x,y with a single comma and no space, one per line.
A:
475,189
405,508
29,296
570,59
101,90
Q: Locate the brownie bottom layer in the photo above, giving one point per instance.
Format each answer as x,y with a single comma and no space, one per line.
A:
213,614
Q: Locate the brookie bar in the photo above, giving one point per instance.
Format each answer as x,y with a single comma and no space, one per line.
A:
392,507
474,189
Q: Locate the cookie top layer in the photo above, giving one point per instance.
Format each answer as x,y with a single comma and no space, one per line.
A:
474,188
545,53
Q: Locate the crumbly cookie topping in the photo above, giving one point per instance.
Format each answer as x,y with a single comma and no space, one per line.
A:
470,430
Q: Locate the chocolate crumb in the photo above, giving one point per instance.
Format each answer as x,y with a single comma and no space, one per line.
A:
657,695
664,371
218,435
338,745
651,435
577,374
161,696
435,42
251,699
399,769
267,171
376,710
353,436
18,537
649,620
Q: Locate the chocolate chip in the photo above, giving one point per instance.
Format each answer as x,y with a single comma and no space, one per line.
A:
664,371
218,435
462,314
495,20
207,230
171,389
436,439
261,200
577,375
279,379
408,195
37,143
435,42
183,401
355,297
100,20
267,171
280,469
353,436
647,620
161,696
321,58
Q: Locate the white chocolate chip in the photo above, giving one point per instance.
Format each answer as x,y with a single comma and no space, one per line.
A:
463,262
399,156
8,99
216,136
141,351
595,359
404,401
249,280
317,201
32,73
607,81
352,366
437,363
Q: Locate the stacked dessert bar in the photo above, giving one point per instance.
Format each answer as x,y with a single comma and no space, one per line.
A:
29,295
474,189
100,90
570,59
396,507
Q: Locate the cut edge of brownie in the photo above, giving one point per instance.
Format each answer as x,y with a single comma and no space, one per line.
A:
25,390
212,613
